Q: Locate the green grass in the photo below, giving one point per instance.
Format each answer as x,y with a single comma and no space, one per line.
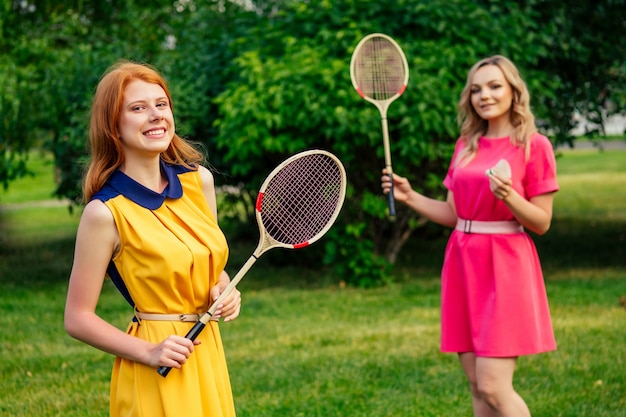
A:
311,348
36,186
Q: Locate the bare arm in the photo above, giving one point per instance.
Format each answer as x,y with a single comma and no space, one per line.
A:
208,188
231,306
96,241
441,212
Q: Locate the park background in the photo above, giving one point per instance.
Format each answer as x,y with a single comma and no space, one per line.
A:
348,327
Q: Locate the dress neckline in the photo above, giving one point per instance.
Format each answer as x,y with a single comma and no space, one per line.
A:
144,196
498,138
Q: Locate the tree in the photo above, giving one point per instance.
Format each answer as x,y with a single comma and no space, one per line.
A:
586,62
294,92
256,81
18,84
53,54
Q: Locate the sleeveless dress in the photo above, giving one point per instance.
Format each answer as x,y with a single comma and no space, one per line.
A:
172,252
493,298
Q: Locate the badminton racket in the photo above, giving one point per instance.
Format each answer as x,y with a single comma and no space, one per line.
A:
297,203
380,73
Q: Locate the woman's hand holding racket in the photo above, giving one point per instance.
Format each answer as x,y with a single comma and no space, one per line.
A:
401,186
229,308
297,204
175,349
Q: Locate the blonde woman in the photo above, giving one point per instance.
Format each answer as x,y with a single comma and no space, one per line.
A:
501,182
150,224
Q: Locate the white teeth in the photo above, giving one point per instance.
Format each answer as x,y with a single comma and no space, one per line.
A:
155,132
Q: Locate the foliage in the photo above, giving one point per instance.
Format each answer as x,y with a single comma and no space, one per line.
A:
309,102
254,81
586,63
21,113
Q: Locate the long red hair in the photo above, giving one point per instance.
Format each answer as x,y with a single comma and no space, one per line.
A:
105,143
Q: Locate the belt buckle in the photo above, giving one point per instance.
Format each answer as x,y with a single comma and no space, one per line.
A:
467,226
189,317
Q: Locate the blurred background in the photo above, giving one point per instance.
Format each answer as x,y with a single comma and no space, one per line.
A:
256,81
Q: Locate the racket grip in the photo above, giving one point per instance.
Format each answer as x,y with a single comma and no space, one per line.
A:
392,201
191,335
164,370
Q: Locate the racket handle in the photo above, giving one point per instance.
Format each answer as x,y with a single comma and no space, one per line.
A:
201,324
191,335
164,370
391,200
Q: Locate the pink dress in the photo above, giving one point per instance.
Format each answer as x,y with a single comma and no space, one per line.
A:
493,298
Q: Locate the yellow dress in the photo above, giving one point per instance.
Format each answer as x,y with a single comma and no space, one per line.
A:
172,252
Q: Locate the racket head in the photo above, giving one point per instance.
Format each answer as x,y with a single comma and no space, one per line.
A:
378,69
300,200
297,203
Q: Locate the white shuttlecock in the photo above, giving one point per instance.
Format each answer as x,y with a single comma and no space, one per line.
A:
501,169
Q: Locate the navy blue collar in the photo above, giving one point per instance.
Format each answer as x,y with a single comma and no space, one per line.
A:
145,197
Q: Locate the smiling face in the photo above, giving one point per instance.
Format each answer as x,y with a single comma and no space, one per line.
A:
491,94
146,123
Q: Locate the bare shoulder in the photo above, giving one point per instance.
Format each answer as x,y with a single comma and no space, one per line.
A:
208,181
205,175
208,188
97,224
96,212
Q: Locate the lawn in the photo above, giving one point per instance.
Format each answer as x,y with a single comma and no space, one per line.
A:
312,348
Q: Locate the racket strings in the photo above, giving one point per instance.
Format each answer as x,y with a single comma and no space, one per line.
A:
380,70
302,199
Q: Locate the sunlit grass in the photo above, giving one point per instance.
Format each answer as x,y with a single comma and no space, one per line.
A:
592,183
37,185
303,346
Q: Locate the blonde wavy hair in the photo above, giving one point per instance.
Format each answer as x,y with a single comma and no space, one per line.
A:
473,126
106,153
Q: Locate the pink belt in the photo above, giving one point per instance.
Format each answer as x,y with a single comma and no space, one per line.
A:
505,227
